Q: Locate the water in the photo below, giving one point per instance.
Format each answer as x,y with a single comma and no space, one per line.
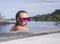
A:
31,25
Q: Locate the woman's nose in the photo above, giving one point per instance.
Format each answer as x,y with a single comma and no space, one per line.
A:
26,21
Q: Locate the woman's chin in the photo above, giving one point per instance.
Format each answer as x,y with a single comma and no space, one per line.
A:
24,25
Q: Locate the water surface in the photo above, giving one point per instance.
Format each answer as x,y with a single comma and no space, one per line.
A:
31,25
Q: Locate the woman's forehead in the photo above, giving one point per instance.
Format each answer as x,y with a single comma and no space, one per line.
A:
23,15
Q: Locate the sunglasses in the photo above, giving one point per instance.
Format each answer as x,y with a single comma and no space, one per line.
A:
24,19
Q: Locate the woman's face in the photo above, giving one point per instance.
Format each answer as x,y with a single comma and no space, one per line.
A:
23,19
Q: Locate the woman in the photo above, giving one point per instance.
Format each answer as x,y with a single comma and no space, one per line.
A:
22,19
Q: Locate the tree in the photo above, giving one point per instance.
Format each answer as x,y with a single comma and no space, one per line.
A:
54,16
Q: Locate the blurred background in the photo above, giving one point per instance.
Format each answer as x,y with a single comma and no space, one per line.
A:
43,13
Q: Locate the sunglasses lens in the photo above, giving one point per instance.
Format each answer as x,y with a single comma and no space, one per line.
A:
28,19
24,19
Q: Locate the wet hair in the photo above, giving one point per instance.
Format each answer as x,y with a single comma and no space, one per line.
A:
18,13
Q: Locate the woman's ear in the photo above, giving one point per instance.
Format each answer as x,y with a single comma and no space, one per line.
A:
17,19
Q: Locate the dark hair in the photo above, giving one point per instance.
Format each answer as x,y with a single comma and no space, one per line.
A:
18,13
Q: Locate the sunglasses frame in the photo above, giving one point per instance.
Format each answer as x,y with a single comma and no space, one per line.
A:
24,19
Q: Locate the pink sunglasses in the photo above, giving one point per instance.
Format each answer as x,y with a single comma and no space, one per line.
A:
24,19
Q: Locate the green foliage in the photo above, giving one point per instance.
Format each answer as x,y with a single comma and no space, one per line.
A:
54,16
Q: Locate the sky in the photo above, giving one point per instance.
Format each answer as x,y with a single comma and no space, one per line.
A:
9,8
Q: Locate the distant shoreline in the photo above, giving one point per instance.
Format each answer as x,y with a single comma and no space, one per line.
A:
7,21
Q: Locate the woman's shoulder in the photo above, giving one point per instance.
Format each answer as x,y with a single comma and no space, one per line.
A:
13,28
18,28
